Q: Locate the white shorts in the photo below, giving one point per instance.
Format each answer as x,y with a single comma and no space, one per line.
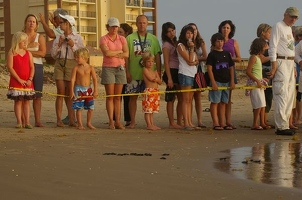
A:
257,98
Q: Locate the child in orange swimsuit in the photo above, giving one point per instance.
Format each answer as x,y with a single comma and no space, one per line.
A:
151,100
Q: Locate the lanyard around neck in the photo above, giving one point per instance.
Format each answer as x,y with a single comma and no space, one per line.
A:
140,41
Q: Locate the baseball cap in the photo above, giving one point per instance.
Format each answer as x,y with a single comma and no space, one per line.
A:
69,18
112,21
292,11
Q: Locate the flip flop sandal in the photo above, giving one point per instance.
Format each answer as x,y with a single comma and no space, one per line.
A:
257,128
218,128
228,127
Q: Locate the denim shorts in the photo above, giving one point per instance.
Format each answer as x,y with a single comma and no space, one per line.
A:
185,80
219,96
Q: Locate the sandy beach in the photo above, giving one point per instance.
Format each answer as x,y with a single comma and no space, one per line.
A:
66,163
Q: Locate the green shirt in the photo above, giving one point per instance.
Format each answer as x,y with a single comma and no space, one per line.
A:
150,44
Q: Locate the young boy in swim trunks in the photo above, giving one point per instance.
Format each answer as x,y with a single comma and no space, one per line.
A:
151,101
81,92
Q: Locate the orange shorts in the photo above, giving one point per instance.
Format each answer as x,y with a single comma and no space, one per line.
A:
151,102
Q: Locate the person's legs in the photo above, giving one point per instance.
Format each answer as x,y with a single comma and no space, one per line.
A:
198,107
221,114
190,109
170,112
132,109
262,119
214,114
26,111
89,119
186,105
256,113
79,119
38,86
298,109
109,88
126,107
268,101
59,101
37,106
283,93
18,112
179,109
228,112
117,105
148,121
71,113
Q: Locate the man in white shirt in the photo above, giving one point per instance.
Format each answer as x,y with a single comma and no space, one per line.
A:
281,52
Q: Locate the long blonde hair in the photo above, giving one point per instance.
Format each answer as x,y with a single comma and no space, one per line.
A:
17,38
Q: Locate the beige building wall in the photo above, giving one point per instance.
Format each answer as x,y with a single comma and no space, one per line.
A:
91,16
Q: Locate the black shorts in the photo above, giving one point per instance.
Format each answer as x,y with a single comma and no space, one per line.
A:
174,74
38,79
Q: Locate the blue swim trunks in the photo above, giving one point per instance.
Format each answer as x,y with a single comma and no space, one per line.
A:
83,98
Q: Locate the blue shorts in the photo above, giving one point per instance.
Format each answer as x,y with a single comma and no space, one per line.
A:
80,103
185,80
219,96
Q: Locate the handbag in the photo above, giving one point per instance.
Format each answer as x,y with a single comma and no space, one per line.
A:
199,80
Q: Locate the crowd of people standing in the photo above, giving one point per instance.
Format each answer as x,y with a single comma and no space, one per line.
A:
130,58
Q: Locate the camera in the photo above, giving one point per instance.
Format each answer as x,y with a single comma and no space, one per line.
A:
66,39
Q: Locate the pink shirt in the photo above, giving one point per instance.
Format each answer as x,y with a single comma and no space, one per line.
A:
115,45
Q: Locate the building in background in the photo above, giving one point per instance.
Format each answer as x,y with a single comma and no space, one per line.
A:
91,16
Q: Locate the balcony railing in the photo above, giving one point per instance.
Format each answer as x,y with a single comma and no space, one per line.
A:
91,29
71,1
150,18
91,43
131,17
73,13
133,3
148,4
88,1
88,14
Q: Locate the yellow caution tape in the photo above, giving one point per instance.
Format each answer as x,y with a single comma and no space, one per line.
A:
142,93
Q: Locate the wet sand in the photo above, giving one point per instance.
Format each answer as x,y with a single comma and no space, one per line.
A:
66,163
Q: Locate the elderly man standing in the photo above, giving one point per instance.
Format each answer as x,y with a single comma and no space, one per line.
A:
281,53
139,43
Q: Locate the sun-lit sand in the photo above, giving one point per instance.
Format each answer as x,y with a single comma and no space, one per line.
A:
67,163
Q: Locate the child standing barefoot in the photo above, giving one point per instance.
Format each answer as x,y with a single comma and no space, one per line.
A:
21,67
254,72
81,90
151,101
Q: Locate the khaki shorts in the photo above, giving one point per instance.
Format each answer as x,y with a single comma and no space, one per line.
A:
64,73
113,75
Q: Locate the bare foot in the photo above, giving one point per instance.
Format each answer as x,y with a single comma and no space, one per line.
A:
39,124
298,122
73,125
60,124
175,126
81,127
152,128
132,126
91,127
156,127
